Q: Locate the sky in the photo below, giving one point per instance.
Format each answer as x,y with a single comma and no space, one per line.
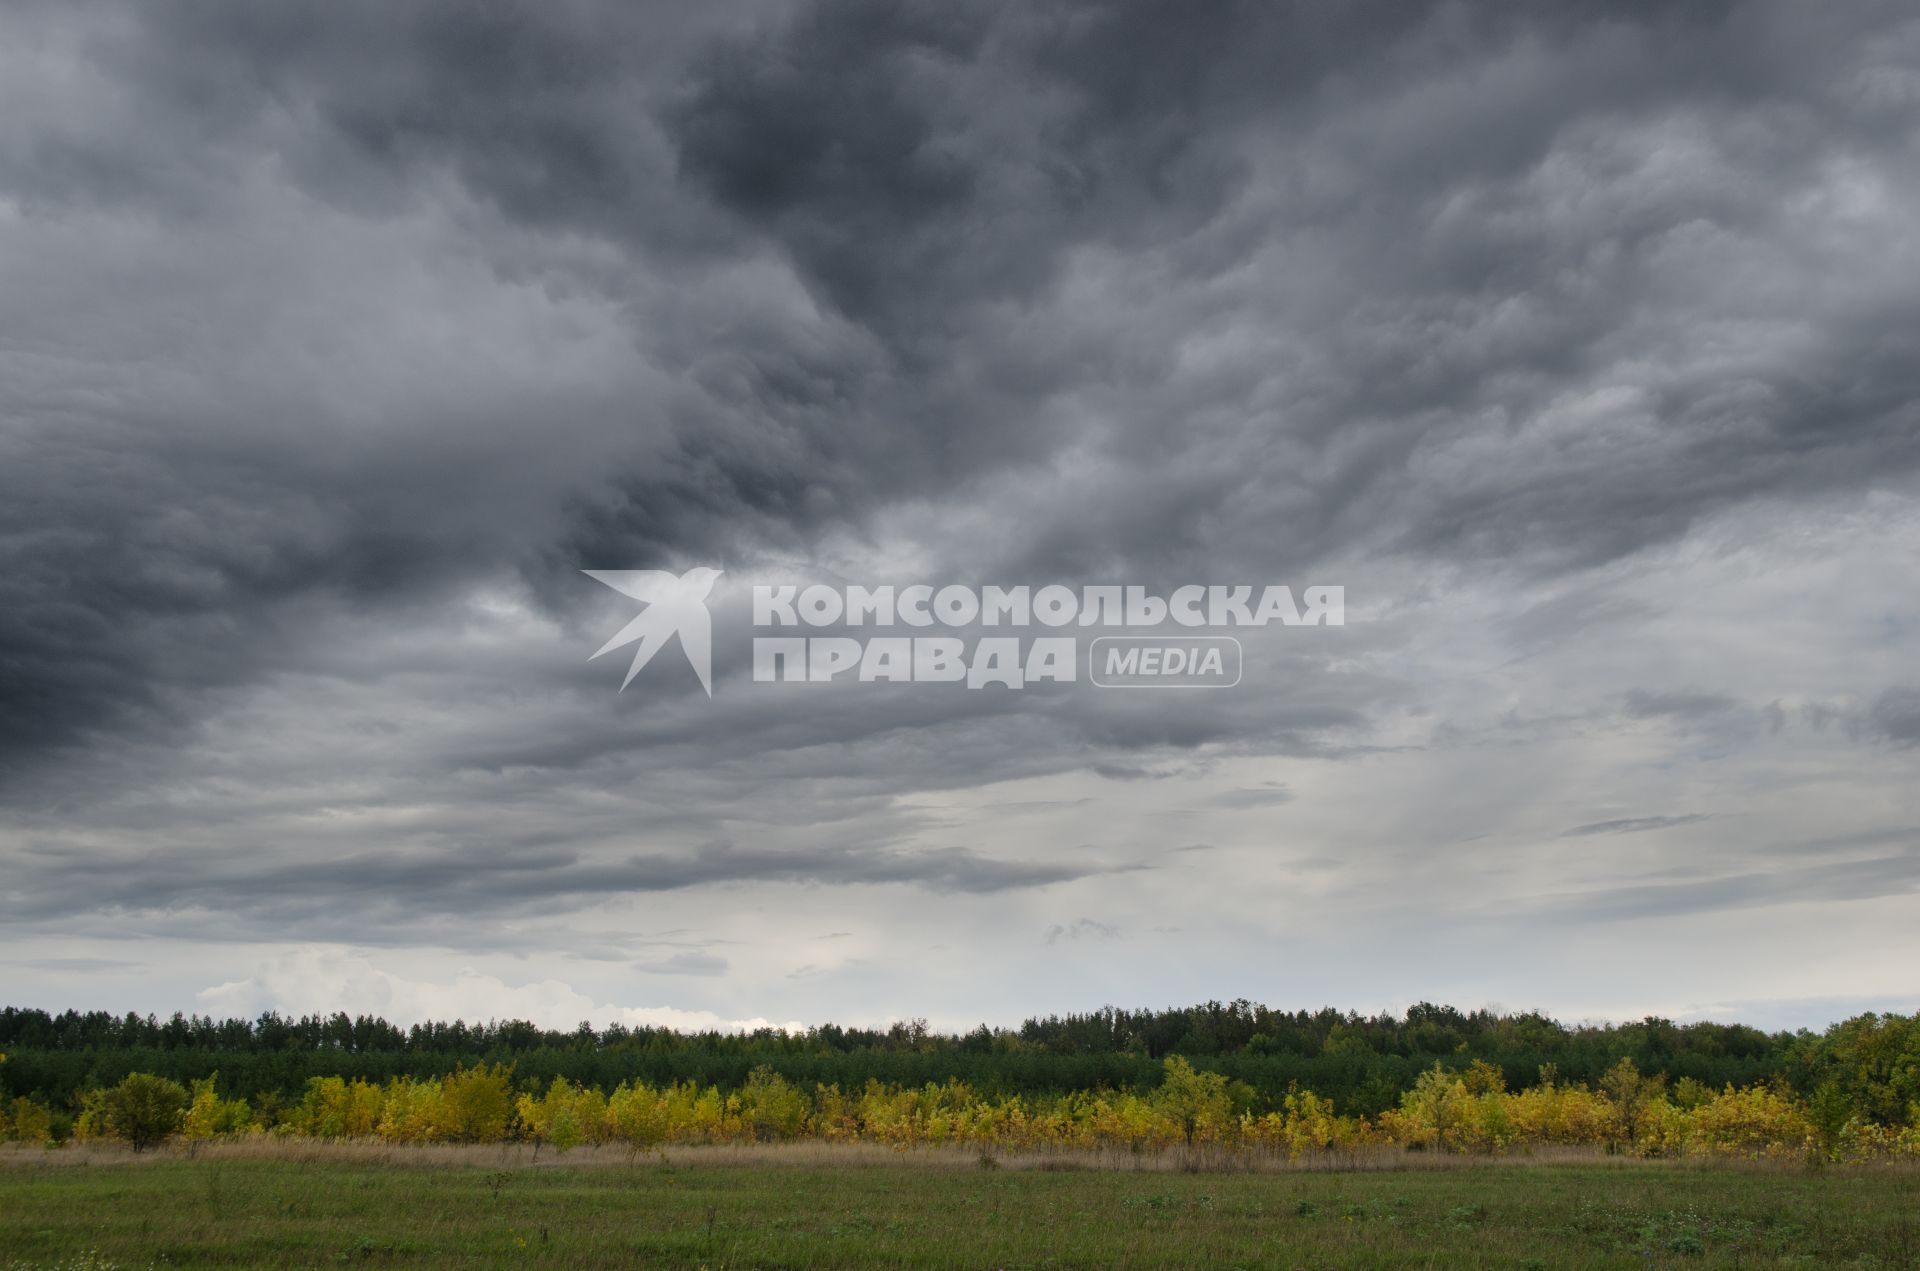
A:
1575,341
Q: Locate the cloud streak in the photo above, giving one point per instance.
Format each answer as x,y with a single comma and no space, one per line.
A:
1633,825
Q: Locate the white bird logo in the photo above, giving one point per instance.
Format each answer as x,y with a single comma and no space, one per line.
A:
674,606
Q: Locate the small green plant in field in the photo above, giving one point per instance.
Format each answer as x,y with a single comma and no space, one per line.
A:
1686,1242
366,1249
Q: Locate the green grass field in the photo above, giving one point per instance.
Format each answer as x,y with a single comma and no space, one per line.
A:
487,1209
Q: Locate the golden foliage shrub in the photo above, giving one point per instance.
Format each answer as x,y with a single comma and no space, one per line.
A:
1444,1111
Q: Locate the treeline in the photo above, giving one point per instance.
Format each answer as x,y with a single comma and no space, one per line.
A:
1364,1064
1444,1111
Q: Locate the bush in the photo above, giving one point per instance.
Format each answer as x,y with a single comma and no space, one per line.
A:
143,1110
476,1104
334,1108
209,1116
770,1108
30,1122
1197,1102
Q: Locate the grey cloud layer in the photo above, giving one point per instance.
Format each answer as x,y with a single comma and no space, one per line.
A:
325,320
385,889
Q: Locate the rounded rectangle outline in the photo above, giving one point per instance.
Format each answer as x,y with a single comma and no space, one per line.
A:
1239,661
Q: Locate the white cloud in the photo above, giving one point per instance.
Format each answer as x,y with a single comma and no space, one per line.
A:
324,980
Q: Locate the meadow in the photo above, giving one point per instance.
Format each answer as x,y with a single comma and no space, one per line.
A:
295,1203
1210,1136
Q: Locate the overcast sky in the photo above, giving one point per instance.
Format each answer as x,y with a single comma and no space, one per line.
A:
1576,341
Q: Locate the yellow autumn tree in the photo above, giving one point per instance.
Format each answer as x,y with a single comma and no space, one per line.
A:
1196,1103
209,1116
475,1104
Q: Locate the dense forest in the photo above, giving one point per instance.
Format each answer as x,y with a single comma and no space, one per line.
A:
1364,1064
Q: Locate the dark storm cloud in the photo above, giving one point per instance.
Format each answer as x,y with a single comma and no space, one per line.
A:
1084,291
125,593
925,166
380,890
